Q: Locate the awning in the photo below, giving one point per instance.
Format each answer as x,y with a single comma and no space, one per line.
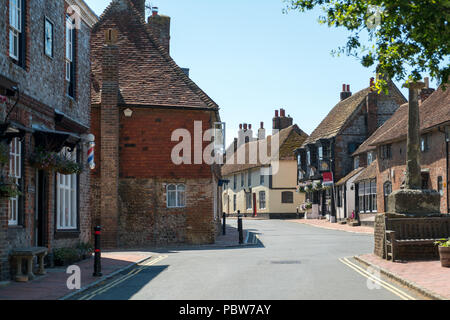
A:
11,129
54,140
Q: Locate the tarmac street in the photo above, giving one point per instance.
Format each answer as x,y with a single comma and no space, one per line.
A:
291,262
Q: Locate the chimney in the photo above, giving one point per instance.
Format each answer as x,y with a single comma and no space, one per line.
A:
261,132
281,122
426,91
109,141
240,135
139,5
160,27
345,92
235,144
372,84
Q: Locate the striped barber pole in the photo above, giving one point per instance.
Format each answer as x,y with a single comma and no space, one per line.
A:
91,155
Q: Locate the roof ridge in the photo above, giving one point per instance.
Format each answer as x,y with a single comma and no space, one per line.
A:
162,51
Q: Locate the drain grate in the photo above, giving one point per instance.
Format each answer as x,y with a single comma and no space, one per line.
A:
286,262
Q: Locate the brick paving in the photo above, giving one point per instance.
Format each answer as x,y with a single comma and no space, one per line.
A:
334,226
53,286
429,275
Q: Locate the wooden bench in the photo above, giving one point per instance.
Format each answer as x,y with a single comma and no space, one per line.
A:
28,254
418,234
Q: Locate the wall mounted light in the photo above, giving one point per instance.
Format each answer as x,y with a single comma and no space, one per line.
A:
128,112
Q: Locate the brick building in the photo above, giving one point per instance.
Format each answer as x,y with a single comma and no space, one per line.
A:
326,156
140,96
388,145
44,105
259,187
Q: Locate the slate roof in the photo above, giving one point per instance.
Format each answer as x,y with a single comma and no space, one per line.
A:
289,139
147,74
434,111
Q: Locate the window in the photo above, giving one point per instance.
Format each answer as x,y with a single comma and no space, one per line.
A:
66,195
242,179
287,197
176,196
425,143
385,151
440,186
15,173
367,196
369,158
249,178
339,196
70,55
356,162
15,29
262,199
261,178
234,182
248,200
48,38
308,157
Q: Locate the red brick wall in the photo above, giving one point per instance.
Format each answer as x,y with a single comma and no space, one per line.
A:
146,146
434,160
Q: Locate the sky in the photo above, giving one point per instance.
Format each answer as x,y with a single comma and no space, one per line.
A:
252,59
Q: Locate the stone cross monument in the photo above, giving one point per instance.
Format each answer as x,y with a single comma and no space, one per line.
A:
412,200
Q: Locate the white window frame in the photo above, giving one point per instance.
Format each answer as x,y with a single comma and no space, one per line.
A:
15,27
15,172
47,24
69,47
262,200
67,196
180,195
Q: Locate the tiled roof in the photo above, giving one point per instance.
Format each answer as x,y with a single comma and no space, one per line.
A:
369,172
435,110
397,119
147,74
289,139
349,176
332,124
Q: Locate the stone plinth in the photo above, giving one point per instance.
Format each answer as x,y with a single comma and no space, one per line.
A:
414,202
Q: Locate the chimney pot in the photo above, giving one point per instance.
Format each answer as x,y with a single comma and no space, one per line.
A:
250,127
245,126
348,88
276,113
343,88
154,11
427,82
262,125
240,126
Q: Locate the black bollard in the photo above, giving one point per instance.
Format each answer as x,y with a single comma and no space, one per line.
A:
241,235
97,258
224,226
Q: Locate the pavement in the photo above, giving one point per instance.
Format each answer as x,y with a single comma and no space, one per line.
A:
427,277
53,285
334,226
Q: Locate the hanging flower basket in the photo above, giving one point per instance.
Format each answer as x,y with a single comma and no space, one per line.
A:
318,186
309,188
66,166
9,189
42,159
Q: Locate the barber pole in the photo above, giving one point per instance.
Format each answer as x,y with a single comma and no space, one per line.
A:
90,153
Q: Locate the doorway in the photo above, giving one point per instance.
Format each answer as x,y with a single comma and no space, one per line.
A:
41,209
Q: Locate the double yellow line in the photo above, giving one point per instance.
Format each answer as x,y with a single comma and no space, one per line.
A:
377,280
125,277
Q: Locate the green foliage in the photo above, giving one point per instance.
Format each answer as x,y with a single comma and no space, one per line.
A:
9,188
43,159
66,256
443,243
67,166
404,35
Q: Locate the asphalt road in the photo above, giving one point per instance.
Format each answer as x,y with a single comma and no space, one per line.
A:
294,262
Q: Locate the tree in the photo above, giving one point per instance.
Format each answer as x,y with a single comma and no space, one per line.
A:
406,37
